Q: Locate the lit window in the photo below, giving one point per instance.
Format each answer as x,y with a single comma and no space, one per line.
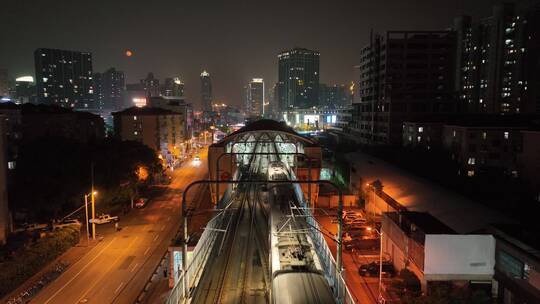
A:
470,173
135,133
11,165
45,79
419,138
506,135
454,133
471,161
484,135
134,117
420,129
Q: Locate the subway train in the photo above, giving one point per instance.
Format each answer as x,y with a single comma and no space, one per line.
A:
295,268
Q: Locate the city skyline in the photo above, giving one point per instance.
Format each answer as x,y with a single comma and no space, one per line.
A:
236,63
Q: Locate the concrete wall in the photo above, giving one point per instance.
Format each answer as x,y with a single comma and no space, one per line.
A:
459,257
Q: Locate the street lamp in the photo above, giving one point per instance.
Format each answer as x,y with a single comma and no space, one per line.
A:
92,194
380,257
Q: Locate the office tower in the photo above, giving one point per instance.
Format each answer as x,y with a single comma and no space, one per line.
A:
298,79
64,78
109,89
25,90
173,87
4,83
206,91
150,85
255,98
135,95
404,75
497,58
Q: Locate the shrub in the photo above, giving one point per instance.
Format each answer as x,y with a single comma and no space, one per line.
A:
30,259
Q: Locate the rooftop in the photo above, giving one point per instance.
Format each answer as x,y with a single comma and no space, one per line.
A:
267,125
488,121
145,111
418,194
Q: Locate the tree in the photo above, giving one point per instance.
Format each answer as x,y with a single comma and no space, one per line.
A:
53,174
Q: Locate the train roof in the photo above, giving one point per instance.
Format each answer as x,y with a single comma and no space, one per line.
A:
300,288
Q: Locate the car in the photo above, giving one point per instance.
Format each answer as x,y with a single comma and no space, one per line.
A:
196,158
104,219
372,269
32,227
66,223
141,202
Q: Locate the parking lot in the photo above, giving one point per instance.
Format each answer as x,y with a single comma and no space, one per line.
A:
361,245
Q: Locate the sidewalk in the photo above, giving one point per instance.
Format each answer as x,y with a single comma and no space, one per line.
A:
70,257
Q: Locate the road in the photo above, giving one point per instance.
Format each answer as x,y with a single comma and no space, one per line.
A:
117,269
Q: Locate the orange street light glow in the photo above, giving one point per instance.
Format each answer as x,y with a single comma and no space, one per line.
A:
129,53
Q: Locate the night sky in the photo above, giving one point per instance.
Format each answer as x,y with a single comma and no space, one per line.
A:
234,40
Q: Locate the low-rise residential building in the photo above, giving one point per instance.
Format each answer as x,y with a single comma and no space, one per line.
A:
27,122
422,134
160,129
480,146
517,264
435,252
178,105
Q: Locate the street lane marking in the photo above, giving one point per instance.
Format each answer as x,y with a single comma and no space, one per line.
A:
147,249
156,237
80,271
163,228
110,267
118,288
133,269
168,218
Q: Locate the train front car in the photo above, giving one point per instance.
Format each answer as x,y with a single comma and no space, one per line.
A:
296,271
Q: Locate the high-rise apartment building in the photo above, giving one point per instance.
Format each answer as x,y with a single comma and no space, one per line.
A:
298,79
109,89
64,78
497,59
173,87
404,75
206,91
255,98
333,97
150,85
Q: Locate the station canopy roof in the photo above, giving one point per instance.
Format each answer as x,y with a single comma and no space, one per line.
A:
269,127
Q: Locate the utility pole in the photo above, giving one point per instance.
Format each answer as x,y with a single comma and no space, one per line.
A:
93,199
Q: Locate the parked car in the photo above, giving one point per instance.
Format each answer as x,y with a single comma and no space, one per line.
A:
31,227
66,223
372,269
104,219
196,158
141,202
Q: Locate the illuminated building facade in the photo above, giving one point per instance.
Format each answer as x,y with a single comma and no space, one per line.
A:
206,92
255,98
64,78
298,79
404,75
109,89
497,61
173,87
